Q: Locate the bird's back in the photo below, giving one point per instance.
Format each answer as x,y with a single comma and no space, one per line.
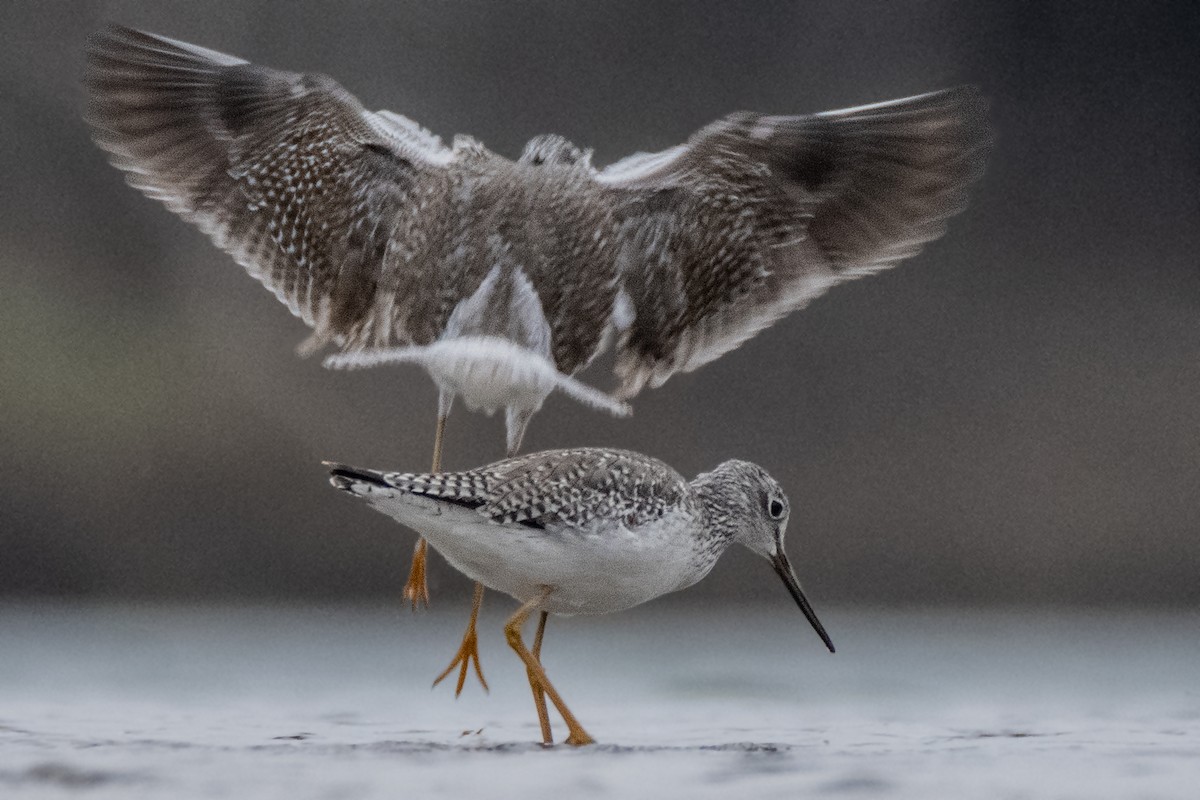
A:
575,488
543,231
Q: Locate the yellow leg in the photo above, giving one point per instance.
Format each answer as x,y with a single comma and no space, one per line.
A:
468,651
576,735
539,694
437,444
417,590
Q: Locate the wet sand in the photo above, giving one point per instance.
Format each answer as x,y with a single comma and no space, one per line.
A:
256,702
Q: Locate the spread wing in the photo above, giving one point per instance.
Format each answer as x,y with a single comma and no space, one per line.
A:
563,487
757,215
287,172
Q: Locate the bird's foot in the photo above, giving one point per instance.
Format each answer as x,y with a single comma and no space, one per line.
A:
579,737
468,651
576,735
468,655
417,590
542,688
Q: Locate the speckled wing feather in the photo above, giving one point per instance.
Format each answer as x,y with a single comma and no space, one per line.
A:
567,487
757,215
287,172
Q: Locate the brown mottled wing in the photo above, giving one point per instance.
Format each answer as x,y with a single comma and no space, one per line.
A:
287,172
560,487
574,271
757,215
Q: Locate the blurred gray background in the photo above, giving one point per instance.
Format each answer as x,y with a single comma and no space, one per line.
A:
1013,416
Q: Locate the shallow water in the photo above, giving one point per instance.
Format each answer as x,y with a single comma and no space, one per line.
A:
127,702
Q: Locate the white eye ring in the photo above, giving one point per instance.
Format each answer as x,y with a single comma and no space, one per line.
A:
775,508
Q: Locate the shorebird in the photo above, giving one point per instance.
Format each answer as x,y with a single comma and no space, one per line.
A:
502,278
584,531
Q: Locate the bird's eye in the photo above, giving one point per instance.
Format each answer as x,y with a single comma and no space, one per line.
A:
775,509
538,161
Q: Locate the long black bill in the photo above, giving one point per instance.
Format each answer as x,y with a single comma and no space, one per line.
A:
785,571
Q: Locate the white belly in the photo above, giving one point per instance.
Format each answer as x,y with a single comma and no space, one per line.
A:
490,373
588,572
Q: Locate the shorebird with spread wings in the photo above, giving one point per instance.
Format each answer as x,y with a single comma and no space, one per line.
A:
503,279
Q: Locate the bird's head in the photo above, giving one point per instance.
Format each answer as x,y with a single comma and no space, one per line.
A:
751,506
550,149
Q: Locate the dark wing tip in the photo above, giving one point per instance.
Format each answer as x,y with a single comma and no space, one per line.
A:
969,107
114,34
851,192
896,173
347,478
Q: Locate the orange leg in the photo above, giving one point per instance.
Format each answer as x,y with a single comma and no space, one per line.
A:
417,590
468,651
576,735
539,694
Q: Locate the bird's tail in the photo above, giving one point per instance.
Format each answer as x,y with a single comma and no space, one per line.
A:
365,359
590,396
355,480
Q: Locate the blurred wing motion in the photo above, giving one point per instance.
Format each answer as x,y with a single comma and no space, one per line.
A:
757,215
378,236
286,172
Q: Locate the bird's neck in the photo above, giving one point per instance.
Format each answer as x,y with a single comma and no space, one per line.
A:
722,508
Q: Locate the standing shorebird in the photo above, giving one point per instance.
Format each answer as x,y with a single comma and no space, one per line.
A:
587,531
505,278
